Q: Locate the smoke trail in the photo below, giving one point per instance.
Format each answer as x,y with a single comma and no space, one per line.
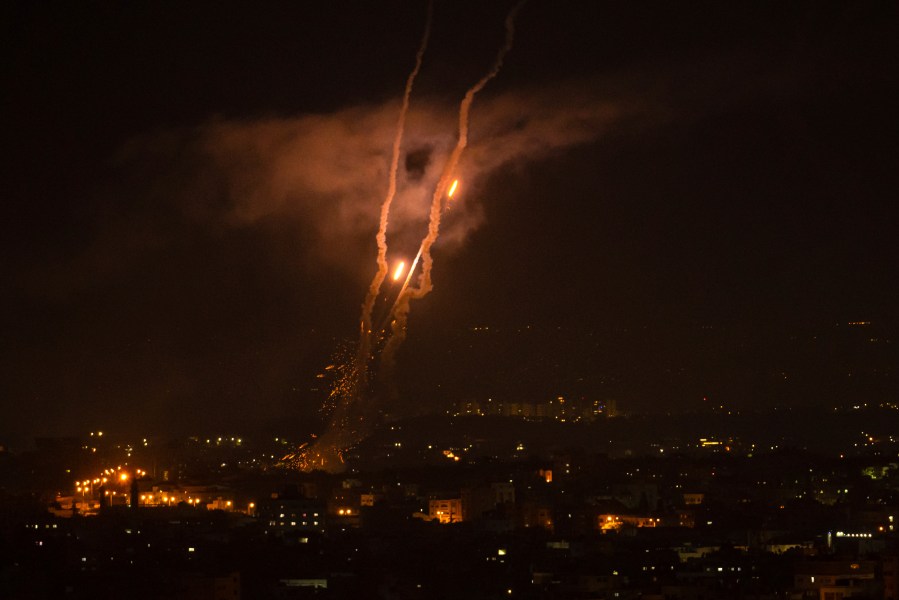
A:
381,237
347,421
425,286
350,420
402,304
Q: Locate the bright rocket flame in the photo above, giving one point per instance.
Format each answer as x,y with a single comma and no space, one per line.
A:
399,270
452,189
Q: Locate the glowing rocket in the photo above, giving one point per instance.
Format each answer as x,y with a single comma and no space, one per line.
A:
399,270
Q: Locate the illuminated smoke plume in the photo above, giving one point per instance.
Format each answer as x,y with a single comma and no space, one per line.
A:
304,185
402,307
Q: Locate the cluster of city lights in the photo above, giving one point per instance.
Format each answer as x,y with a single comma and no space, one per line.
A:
451,455
219,440
854,535
171,498
118,474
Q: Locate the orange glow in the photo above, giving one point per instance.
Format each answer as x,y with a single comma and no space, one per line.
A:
399,270
123,477
452,189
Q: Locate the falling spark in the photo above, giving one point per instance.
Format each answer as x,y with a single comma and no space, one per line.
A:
452,189
399,270
343,429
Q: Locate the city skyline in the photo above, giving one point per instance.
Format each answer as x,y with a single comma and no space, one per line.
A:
195,195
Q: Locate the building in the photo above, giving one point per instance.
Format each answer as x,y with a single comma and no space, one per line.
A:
445,510
836,579
291,516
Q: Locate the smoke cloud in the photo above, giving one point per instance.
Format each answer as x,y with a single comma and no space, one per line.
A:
328,172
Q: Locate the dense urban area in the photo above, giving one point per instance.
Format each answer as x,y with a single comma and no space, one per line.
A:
450,301
696,505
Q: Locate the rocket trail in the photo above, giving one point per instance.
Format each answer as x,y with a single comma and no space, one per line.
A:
350,420
390,313
402,305
380,327
381,238
449,194
464,109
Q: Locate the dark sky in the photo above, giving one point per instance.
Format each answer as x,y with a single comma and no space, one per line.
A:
192,188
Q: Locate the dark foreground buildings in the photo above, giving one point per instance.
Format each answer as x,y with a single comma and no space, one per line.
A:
720,521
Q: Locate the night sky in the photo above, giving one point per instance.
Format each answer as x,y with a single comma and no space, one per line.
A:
192,189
